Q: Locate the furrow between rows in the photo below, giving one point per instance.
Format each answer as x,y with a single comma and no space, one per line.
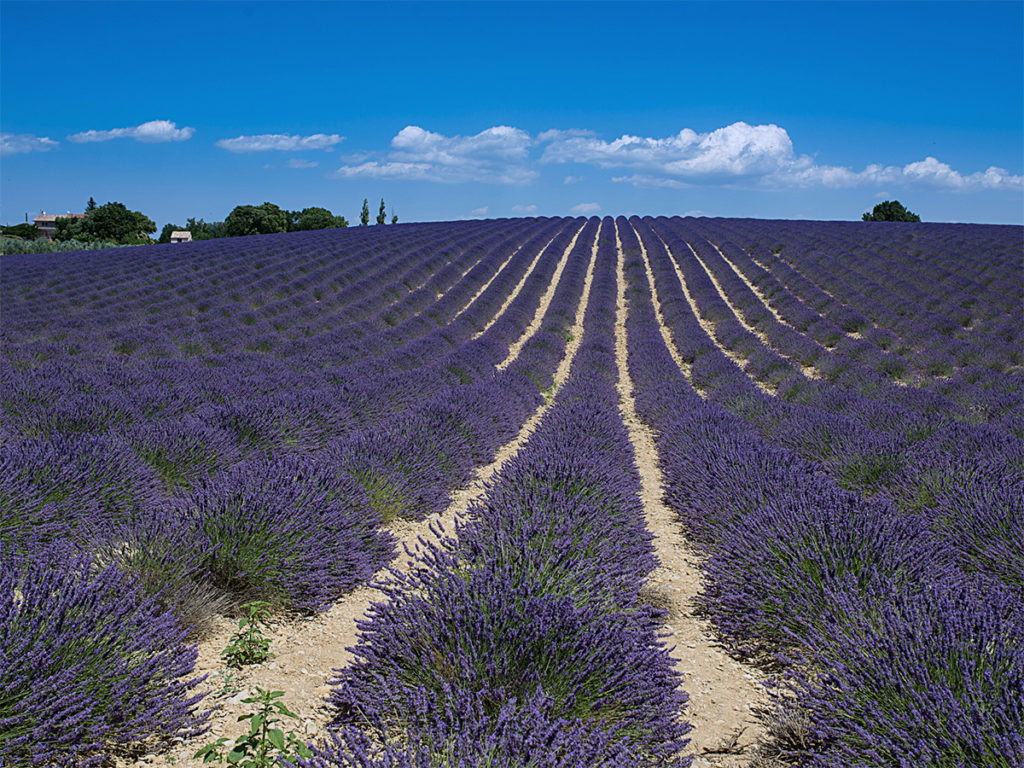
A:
307,649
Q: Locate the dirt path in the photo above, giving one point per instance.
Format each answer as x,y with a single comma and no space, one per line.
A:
486,285
306,650
519,286
722,691
755,290
706,324
545,300
807,370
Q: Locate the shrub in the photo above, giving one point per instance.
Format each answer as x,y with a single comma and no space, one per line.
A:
455,648
926,678
286,531
88,665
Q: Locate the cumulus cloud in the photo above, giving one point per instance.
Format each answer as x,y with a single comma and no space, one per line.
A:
481,211
586,209
296,162
286,142
498,155
739,154
653,182
761,154
524,208
928,171
22,143
153,132
735,150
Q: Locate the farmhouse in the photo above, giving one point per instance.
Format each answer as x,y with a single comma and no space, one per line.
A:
181,236
46,223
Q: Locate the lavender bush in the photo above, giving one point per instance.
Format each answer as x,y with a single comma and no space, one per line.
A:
89,665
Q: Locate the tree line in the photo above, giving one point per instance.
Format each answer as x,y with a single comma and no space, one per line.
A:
114,223
269,218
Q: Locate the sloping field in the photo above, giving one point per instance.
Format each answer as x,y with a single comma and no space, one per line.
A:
552,492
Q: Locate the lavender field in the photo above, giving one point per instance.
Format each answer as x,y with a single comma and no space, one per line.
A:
830,416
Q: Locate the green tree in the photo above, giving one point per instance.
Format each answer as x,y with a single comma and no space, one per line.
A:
890,210
91,205
314,218
109,223
26,231
364,215
256,220
205,230
340,221
71,229
382,214
394,218
114,223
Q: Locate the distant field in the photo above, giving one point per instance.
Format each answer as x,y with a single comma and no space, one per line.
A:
824,420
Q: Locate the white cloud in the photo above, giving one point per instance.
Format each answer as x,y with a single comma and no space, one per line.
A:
481,211
929,171
735,150
739,154
498,155
696,212
375,170
524,208
21,143
296,162
760,154
153,132
266,142
586,209
644,180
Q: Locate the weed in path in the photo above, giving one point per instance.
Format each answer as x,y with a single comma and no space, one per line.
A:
248,645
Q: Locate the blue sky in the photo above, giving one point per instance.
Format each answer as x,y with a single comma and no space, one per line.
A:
774,110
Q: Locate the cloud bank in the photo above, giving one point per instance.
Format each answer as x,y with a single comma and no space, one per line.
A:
153,132
498,155
284,142
739,154
22,143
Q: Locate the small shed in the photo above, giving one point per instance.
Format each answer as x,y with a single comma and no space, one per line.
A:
181,236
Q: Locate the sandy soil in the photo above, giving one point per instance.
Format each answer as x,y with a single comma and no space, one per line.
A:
545,300
515,291
486,285
851,334
723,693
797,366
707,325
306,650
807,370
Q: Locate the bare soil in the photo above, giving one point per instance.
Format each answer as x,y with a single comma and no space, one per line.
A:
723,692
307,650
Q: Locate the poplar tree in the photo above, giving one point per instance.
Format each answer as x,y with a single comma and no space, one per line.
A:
364,215
382,214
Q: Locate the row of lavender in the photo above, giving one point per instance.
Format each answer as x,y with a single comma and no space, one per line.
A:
296,529
945,332
90,381
898,615
522,639
887,439
175,442
853,362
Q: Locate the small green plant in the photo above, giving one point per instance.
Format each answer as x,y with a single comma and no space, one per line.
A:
265,745
229,684
248,645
